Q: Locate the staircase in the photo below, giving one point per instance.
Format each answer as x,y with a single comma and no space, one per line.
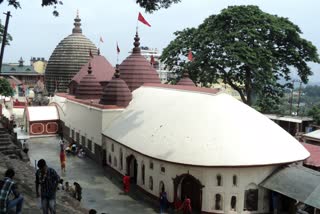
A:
6,145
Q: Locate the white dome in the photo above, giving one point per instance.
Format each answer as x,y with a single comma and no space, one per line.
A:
201,129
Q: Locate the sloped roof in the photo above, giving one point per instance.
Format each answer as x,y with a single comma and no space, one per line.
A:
314,159
42,113
198,128
136,70
315,134
103,70
16,69
297,182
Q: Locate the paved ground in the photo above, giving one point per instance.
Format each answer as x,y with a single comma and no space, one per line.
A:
101,191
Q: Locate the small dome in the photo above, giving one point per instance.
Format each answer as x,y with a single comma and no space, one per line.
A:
116,92
185,80
89,87
103,71
136,70
67,59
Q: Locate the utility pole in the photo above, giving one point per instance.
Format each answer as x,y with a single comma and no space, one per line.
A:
298,107
291,99
4,38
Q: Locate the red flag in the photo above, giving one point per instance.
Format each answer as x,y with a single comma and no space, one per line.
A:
101,40
142,19
90,53
190,57
118,49
152,60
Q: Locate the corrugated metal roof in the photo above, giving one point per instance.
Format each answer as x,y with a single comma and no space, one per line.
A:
297,182
315,134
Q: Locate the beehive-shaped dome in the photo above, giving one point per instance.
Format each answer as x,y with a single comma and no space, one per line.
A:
89,87
67,59
116,92
103,71
185,80
136,70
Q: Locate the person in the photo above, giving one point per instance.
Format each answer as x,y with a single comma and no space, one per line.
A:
25,147
163,200
60,185
48,179
61,143
186,206
126,183
8,186
77,191
92,211
74,148
63,160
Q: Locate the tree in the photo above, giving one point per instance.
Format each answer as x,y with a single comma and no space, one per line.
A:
54,3
314,112
245,47
153,5
8,39
5,88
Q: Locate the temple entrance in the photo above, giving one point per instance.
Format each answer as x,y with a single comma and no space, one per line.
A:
132,168
188,186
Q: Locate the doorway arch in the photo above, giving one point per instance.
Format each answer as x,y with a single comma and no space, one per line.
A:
187,185
132,168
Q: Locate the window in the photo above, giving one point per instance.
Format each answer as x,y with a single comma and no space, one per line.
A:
83,140
143,173
150,183
233,203
115,162
251,198
163,169
89,145
234,180
218,202
161,187
121,159
78,137
112,147
219,180
151,165
72,134
110,159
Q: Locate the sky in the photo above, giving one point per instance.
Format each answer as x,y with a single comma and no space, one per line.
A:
36,32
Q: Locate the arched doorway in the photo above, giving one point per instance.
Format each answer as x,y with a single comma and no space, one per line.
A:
132,168
188,186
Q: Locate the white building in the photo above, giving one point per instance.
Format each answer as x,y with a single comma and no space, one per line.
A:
207,146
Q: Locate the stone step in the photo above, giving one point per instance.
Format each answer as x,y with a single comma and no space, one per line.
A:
5,143
8,147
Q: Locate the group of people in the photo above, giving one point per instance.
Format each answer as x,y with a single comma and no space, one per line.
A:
47,183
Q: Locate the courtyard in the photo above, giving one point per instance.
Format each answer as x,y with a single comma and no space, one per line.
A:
101,190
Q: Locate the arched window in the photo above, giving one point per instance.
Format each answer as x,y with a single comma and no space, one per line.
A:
233,203
219,180
121,159
218,202
115,162
234,180
161,187
143,173
110,160
112,147
251,195
150,183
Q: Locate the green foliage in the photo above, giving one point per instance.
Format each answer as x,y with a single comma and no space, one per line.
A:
9,37
314,112
247,48
5,88
153,5
54,3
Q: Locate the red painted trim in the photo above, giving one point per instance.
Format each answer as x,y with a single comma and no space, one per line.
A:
94,103
37,133
183,87
50,123
215,166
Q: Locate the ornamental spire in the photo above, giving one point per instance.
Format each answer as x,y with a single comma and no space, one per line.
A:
77,24
136,44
